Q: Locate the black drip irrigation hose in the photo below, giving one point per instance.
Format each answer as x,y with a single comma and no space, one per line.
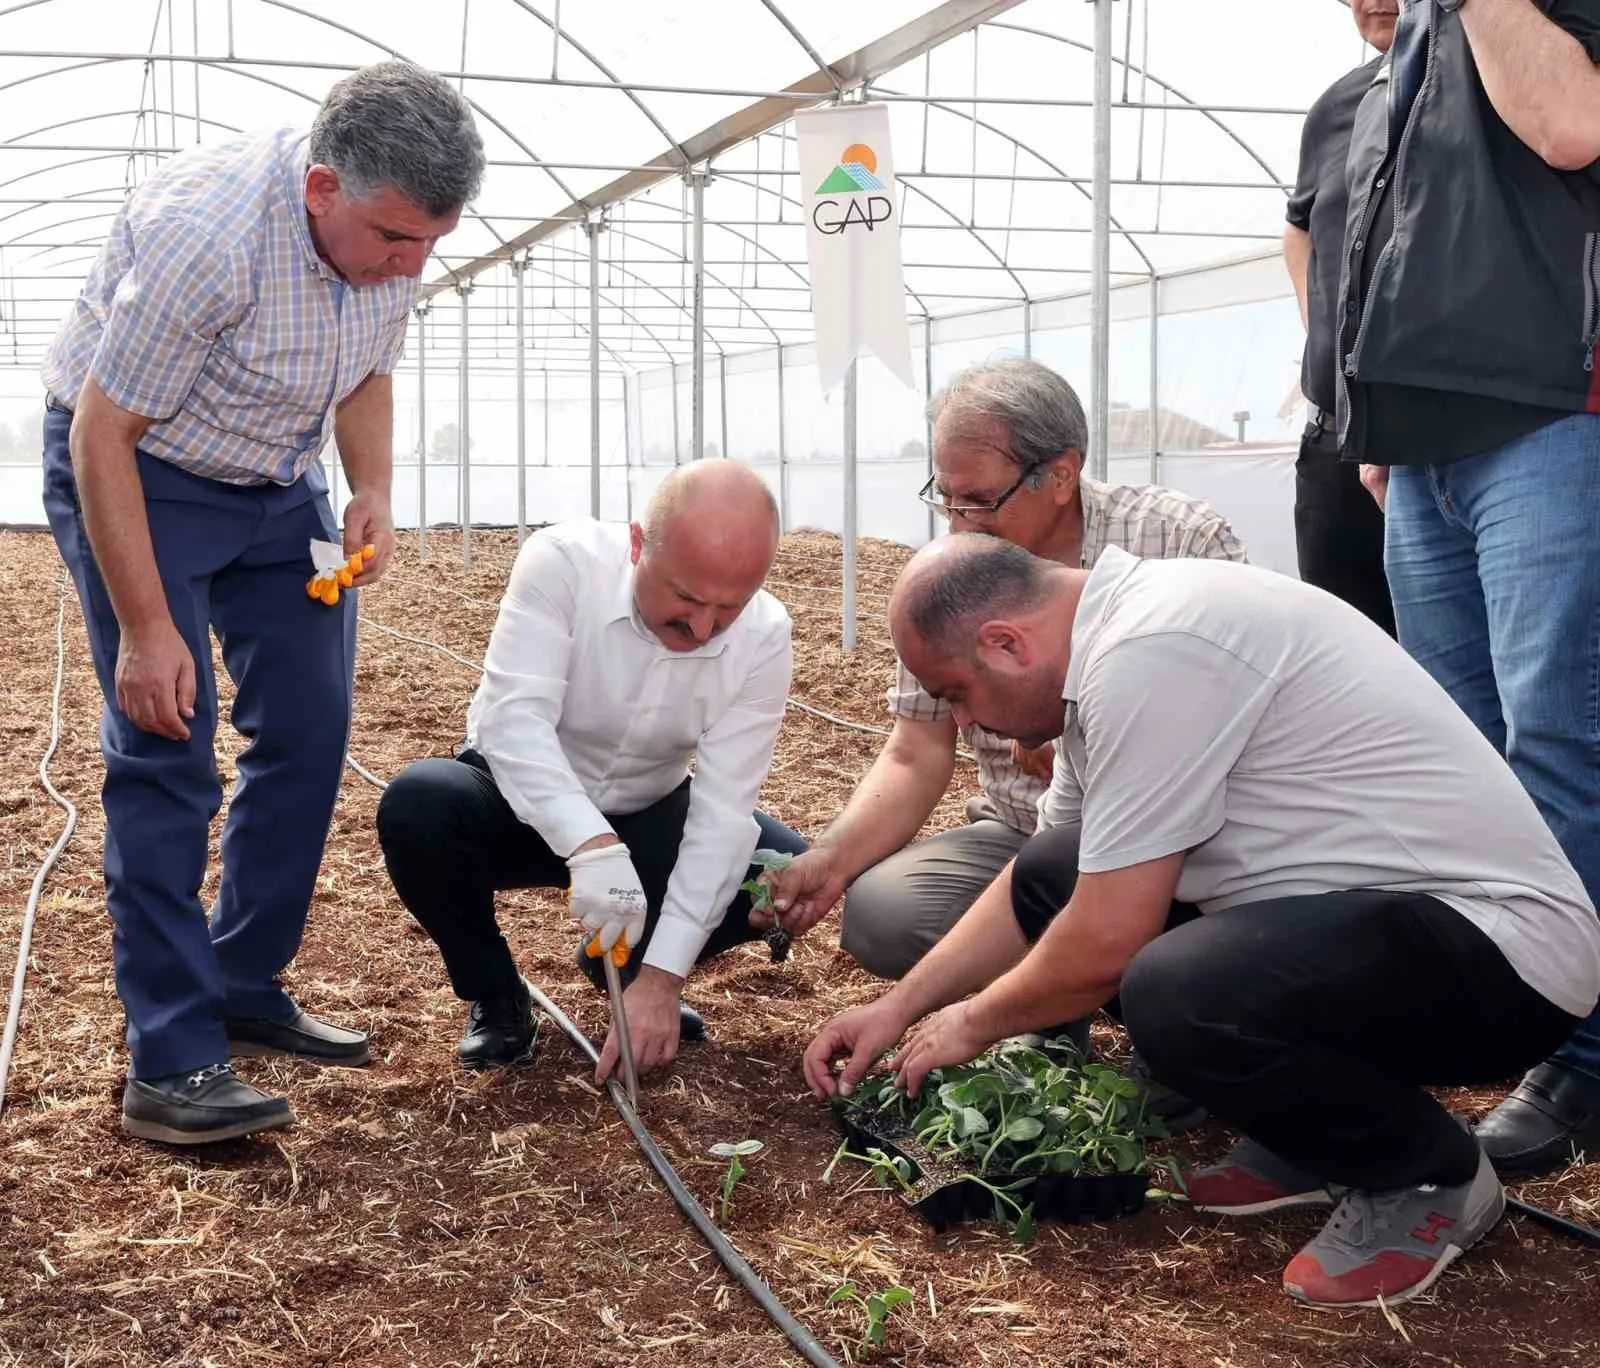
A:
1571,1229
804,1342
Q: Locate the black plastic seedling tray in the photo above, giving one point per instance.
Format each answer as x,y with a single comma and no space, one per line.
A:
942,1194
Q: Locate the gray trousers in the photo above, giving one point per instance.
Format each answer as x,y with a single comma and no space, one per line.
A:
895,912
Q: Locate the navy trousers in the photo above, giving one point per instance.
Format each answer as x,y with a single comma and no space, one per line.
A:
235,561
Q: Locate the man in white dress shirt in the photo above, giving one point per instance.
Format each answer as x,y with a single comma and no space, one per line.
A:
622,653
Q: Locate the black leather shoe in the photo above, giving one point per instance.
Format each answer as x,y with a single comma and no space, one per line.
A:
1550,1117
501,1031
691,1025
197,1108
302,1036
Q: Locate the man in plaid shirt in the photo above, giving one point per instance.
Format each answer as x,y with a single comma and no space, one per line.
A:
250,302
1008,443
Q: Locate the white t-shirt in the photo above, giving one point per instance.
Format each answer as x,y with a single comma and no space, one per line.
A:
1290,747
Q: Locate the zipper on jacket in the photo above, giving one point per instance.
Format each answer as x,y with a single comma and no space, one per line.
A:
1591,298
1396,175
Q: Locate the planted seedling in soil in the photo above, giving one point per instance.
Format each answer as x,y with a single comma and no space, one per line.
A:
875,1308
1033,1130
733,1152
778,940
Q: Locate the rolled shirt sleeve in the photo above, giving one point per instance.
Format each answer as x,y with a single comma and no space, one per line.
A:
719,833
175,299
524,684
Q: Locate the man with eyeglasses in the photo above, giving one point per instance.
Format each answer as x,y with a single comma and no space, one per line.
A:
1008,444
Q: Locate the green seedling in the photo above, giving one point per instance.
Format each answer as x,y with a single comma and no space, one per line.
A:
891,1170
733,1153
875,1308
759,890
1017,1113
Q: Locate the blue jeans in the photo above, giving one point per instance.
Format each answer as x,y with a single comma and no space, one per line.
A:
1496,582
233,561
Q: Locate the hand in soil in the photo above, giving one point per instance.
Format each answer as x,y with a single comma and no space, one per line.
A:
1039,761
860,1037
651,1002
935,1042
802,893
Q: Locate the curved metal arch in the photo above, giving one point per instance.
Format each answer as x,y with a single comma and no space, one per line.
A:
666,297
91,118
1171,89
805,44
63,199
565,35
610,351
91,242
1127,234
621,308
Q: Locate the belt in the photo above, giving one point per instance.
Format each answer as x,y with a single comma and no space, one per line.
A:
1320,419
51,402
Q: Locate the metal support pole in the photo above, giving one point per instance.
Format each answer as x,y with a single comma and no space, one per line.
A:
677,455
592,229
1100,252
463,433
422,428
697,383
1027,328
927,386
783,454
1155,379
722,381
519,271
850,506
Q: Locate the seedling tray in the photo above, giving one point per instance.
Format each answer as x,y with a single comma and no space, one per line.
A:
942,1194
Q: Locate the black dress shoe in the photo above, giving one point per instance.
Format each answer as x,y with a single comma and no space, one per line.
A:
1550,1117
200,1107
302,1036
502,1030
691,1025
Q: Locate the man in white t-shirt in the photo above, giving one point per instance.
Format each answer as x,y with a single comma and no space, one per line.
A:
1272,845
621,654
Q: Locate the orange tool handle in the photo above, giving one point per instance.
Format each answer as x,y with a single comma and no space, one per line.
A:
619,951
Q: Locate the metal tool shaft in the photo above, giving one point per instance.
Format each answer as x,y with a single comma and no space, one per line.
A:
619,1024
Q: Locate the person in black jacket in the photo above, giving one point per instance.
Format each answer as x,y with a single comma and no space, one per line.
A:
1338,531
1469,317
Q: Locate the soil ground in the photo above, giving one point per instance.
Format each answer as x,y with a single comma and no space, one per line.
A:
416,1215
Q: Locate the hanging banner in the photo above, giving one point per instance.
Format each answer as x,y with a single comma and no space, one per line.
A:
852,208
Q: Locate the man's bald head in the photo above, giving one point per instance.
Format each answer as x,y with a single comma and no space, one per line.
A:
702,551
954,585
714,499
986,626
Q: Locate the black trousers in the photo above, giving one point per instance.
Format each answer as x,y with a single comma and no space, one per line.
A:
1312,1024
1338,528
451,842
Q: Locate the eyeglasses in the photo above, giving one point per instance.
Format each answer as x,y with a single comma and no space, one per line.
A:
936,501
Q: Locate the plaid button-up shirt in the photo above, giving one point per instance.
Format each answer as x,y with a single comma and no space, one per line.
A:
210,311
1147,521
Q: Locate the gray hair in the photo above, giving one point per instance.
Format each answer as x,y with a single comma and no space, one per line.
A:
1042,413
978,578
396,124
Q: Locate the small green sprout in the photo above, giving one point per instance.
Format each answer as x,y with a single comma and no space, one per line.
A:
875,1308
733,1153
759,890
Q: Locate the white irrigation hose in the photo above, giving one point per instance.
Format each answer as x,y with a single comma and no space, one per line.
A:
8,1042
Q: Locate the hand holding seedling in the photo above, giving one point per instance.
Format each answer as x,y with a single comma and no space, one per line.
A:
369,532
326,584
803,890
947,1037
861,1037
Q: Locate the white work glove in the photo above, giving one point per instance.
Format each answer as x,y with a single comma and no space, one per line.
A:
607,896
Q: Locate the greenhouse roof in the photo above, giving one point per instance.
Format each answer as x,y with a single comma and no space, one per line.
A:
602,112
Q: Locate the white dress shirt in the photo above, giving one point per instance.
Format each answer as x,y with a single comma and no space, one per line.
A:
582,711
